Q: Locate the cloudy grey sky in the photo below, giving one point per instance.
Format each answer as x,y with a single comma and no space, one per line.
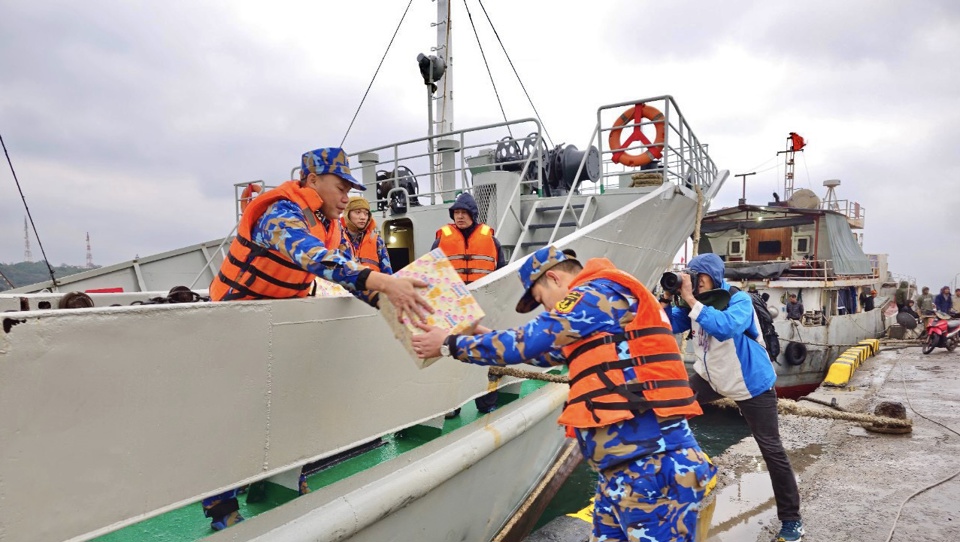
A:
133,120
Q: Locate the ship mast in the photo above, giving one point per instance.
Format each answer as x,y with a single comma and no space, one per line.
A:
444,51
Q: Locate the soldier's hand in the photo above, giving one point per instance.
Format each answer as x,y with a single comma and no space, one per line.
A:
402,293
427,344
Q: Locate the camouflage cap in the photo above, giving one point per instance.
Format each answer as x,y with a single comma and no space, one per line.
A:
328,160
534,267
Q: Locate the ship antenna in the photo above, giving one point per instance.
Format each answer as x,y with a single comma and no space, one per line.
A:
53,278
372,79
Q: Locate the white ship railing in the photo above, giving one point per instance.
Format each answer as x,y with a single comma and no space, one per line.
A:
856,214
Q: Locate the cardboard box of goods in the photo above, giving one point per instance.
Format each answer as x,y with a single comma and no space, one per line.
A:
455,308
325,288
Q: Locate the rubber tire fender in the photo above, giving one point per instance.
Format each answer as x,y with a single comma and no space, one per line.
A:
795,353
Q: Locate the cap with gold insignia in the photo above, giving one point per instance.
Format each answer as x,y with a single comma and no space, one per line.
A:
534,267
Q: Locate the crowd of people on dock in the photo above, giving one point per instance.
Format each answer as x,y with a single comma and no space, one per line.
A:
926,304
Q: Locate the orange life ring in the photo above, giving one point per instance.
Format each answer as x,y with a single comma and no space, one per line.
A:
248,195
654,149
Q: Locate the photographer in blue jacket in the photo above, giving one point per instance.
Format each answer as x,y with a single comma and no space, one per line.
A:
732,361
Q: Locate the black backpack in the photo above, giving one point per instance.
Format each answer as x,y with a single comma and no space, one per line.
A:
769,333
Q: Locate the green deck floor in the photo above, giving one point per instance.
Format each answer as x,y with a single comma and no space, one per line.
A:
187,523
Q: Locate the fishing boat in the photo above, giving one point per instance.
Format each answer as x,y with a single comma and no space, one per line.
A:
123,404
810,247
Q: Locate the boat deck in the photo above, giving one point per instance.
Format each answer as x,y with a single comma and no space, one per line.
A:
188,523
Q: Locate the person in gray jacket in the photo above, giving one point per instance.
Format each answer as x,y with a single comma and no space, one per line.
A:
794,308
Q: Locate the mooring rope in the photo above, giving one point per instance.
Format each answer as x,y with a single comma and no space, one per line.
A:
789,406
696,225
784,406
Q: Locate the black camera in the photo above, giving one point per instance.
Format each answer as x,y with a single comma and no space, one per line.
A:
671,281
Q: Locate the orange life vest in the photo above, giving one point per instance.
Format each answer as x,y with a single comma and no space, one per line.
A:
366,254
473,258
599,393
251,271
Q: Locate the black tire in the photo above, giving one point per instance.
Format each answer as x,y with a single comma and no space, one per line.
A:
952,344
931,343
795,353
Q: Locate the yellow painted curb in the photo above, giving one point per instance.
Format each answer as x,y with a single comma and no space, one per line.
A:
839,373
841,370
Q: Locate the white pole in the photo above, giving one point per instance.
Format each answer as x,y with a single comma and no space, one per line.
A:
444,115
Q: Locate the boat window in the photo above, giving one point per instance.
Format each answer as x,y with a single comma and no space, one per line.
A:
398,235
736,247
768,247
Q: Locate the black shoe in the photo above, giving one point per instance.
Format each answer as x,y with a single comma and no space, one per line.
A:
452,414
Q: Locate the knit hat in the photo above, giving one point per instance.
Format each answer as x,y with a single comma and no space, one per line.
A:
357,202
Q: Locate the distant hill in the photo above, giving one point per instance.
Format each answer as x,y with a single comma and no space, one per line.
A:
24,273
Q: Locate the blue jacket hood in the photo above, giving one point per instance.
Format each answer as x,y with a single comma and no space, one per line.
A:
712,265
466,202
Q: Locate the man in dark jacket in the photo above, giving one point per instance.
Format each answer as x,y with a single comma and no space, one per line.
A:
902,295
474,252
794,308
866,298
944,301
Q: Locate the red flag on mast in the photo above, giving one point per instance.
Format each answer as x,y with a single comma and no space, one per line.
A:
798,142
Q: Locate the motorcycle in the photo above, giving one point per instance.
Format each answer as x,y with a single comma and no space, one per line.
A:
942,332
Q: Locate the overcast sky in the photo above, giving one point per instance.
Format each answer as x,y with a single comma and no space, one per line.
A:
132,120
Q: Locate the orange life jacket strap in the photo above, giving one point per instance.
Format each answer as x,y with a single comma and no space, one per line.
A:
633,395
257,250
619,337
237,290
258,274
625,363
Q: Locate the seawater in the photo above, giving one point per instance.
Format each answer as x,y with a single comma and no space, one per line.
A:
716,430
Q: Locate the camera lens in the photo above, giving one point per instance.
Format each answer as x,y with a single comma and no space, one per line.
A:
670,281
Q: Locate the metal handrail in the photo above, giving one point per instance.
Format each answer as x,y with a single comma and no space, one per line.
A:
683,161
566,201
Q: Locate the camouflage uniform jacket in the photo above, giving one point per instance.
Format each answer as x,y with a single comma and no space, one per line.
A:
283,228
605,306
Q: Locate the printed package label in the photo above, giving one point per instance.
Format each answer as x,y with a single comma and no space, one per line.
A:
455,308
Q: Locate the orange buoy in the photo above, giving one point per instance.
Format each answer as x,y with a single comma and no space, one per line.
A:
654,149
248,194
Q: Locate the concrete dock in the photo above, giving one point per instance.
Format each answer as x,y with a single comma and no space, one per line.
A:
852,482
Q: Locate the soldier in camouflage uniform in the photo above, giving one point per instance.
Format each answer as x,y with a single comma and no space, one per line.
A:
652,473
286,238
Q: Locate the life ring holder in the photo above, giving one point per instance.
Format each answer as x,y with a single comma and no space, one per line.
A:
251,191
654,149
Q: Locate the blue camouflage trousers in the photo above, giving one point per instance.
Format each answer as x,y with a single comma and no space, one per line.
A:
655,498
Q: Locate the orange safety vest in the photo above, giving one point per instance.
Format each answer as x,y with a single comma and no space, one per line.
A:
251,271
599,394
366,254
473,258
